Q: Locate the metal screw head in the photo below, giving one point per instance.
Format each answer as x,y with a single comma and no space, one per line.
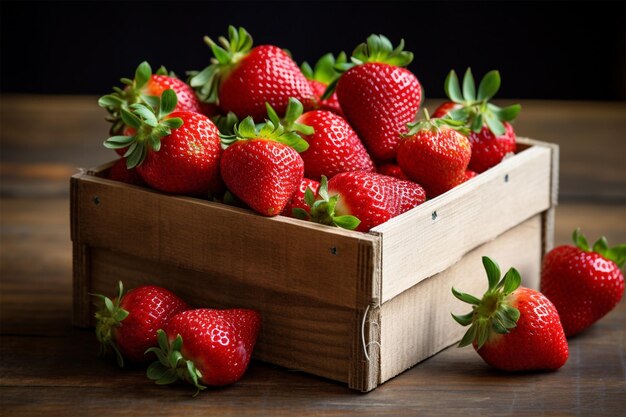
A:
333,251
434,215
96,200
506,178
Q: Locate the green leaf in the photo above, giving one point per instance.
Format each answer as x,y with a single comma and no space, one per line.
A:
246,128
309,197
467,298
511,312
163,340
109,304
579,240
482,333
155,142
118,142
177,344
152,101
452,87
469,87
347,222
144,112
162,71
110,100
459,114
601,246
323,190
169,100
307,71
130,119
330,89
168,377
495,125
172,123
294,110
120,314
493,271
202,77
617,254
506,114
512,281
271,113
156,370
135,155
469,336
489,85
477,123
299,213
142,74
464,320
304,129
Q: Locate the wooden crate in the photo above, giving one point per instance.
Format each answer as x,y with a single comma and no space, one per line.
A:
354,307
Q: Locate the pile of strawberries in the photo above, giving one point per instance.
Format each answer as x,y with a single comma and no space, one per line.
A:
251,129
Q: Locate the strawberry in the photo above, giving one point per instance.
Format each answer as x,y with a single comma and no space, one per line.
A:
298,199
119,172
393,170
378,96
513,328
333,146
205,346
491,135
583,283
262,167
321,76
469,174
176,152
128,324
361,200
242,79
146,88
435,154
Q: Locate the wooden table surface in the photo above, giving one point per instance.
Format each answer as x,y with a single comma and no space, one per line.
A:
49,367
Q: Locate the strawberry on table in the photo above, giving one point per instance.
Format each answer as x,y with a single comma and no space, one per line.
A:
321,77
378,95
262,167
242,79
174,151
435,153
491,135
513,328
583,283
146,88
128,324
205,346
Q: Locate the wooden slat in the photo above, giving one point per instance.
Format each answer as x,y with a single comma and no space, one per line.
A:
436,234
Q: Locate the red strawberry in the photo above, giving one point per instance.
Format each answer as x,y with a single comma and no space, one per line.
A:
321,77
491,136
584,284
378,96
146,88
119,172
262,167
128,324
469,174
513,328
242,79
361,200
392,170
435,155
175,152
298,200
206,346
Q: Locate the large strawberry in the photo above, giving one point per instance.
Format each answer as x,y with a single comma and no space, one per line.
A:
435,154
262,167
513,328
378,96
174,151
146,88
321,77
205,346
333,146
361,200
128,324
491,135
583,283
242,79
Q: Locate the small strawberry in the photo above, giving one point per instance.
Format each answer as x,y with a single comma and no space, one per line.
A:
262,167
176,152
491,135
321,77
469,174
146,88
205,346
242,79
378,96
513,328
583,283
119,172
435,154
361,200
128,324
393,170
298,199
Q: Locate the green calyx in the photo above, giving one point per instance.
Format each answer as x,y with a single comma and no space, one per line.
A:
435,125
617,254
171,366
287,131
150,125
107,318
475,110
226,54
323,210
492,313
324,71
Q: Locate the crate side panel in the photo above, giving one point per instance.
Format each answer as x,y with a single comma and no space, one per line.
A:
435,235
298,332
417,324
278,254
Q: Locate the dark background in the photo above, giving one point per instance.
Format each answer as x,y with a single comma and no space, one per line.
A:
544,50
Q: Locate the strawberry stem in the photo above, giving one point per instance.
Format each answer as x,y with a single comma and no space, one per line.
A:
109,317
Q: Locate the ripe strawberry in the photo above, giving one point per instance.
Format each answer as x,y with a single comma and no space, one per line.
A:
321,77
176,152
491,136
361,200
513,328
146,88
298,200
583,283
119,172
262,167
128,324
435,154
393,170
469,174
242,79
378,96
205,346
